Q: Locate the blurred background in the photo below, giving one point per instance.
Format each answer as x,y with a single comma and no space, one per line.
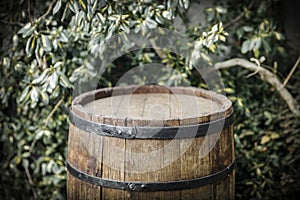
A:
49,46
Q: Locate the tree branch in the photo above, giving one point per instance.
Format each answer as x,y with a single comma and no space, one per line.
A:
48,11
157,50
47,120
29,11
265,75
54,109
239,17
12,23
31,184
292,71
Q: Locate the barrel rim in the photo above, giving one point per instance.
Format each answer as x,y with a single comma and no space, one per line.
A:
138,132
79,101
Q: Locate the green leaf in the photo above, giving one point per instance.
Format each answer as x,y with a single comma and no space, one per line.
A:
47,44
229,90
252,43
57,7
114,17
28,45
266,46
37,47
125,28
151,23
240,33
65,13
166,14
184,4
41,78
44,95
31,46
44,165
63,37
265,139
25,154
34,95
28,32
256,53
55,44
240,102
74,7
64,81
25,28
57,64
269,117
278,36
24,93
101,18
221,9
82,4
111,30
258,171
275,135
245,46
215,28
25,163
257,43
210,14
53,80
247,28
6,62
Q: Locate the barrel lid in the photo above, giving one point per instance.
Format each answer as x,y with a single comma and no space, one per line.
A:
151,106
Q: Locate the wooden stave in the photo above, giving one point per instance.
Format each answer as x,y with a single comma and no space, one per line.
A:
210,191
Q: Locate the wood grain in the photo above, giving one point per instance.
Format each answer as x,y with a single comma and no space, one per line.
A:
145,160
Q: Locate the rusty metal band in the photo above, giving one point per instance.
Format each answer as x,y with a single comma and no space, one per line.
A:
151,186
138,132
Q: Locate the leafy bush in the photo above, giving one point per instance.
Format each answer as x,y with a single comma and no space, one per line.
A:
45,48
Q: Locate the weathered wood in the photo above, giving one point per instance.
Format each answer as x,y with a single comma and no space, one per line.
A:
150,160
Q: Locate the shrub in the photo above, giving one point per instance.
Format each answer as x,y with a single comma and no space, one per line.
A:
45,48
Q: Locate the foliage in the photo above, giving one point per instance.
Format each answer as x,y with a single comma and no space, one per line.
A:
50,51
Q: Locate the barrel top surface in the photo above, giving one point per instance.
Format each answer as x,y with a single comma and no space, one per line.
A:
152,106
152,103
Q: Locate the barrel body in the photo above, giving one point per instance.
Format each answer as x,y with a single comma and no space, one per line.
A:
155,150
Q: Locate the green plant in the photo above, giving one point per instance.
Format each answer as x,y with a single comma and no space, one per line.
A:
48,52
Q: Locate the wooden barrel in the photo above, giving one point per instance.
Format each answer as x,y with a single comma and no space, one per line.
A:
150,142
